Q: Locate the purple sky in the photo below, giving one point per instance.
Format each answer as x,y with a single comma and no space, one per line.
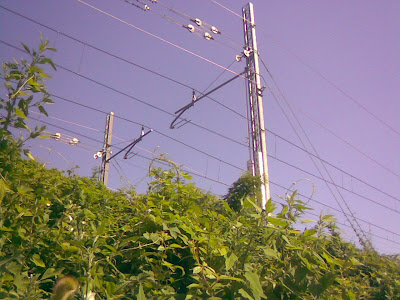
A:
336,62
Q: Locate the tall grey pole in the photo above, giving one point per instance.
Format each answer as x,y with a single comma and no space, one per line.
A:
258,164
105,164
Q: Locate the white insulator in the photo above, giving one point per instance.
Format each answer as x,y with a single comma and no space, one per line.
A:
57,136
246,53
95,156
238,58
198,22
208,36
190,28
74,141
215,30
146,7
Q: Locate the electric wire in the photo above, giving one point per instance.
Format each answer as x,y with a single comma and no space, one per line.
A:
121,59
159,38
337,210
143,102
346,142
363,240
347,95
189,170
319,124
200,23
227,162
193,172
218,181
209,155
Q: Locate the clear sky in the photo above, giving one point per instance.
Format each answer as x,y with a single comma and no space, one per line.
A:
335,62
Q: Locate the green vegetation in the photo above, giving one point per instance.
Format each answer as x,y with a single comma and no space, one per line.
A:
173,242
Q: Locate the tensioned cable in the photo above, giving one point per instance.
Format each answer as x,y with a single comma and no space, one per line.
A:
192,172
277,159
161,39
324,161
206,129
346,142
364,240
206,177
219,158
204,25
204,31
132,97
223,160
337,210
120,58
317,72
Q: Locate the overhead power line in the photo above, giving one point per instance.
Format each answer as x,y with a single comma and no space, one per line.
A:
208,178
202,127
334,85
160,38
363,240
217,181
189,87
122,59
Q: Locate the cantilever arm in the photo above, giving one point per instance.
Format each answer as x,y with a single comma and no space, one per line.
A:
195,99
131,145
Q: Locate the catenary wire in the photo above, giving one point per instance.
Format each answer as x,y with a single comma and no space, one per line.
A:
206,177
230,163
318,123
120,58
189,87
164,112
193,172
273,157
132,97
190,171
180,83
161,39
363,240
348,96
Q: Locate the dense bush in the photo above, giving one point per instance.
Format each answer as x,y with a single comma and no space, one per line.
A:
174,242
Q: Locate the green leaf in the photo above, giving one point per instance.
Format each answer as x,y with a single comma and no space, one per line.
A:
309,232
20,113
48,100
38,261
271,252
29,154
3,189
329,218
48,61
245,294
141,295
255,285
26,48
197,269
51,272
42,110
44,75
230,261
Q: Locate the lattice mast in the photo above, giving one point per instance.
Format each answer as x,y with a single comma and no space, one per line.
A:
257,142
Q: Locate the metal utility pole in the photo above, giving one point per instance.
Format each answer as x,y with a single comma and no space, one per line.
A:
258,147
105,164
